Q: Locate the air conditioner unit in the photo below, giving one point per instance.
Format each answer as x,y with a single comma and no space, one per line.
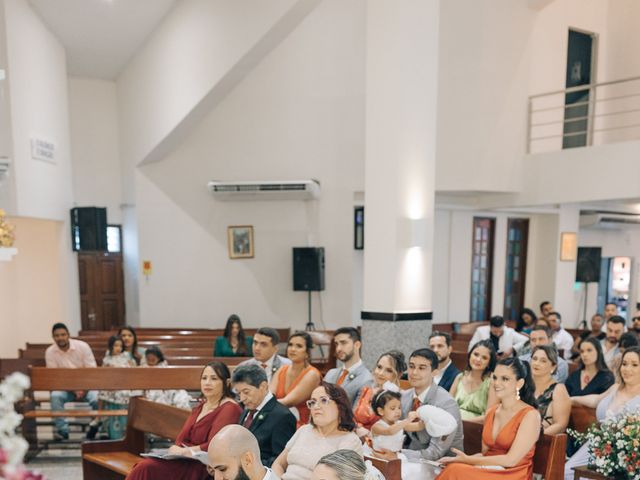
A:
267,190
609,220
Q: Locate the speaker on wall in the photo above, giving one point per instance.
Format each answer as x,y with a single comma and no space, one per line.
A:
89,228
308,269
588,265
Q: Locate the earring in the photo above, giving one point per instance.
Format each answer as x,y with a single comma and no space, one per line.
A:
517,394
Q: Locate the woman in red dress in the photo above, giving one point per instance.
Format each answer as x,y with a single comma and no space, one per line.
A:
292,384
216,410
511,430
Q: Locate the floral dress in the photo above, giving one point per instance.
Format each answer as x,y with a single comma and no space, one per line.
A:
115,399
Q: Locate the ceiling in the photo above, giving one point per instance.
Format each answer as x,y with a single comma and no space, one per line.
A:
101,36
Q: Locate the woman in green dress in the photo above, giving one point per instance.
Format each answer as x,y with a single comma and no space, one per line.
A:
471,387
234,343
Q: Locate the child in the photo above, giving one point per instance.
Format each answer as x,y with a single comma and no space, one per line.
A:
178,398
116,356
155,357
388,432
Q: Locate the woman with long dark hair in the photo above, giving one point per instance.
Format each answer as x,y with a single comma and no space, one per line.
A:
471,387
552,398
130,341
526,321
234,342
217,409
510,432
593,375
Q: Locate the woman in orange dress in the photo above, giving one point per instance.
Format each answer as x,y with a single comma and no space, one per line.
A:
292,384
510,432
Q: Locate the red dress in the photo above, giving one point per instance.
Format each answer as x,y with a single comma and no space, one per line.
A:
281,392
193,434
500,446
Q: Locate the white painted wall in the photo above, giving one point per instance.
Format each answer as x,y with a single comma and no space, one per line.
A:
7,183
297,115
97,174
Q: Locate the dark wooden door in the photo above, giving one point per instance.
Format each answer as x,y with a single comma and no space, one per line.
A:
101,290
481,268
516,269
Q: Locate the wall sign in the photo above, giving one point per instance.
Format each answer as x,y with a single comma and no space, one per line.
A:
43,150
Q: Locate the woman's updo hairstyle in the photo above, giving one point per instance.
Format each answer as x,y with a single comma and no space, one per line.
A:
521,370
397,360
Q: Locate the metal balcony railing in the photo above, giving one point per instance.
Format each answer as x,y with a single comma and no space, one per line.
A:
594,114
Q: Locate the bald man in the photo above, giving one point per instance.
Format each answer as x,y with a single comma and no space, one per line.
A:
234,454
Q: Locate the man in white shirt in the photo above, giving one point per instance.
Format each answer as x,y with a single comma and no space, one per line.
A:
562,338
67,352
505,339
234,454
610,344
265,351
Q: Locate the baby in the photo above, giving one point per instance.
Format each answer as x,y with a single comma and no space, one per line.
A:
388,432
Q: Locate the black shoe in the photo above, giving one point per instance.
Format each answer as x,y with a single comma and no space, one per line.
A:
92,432
61,435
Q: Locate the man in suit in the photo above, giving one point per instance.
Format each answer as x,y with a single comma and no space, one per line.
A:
423,366
234,454
265,352
353,375
271,422
506,340
440,343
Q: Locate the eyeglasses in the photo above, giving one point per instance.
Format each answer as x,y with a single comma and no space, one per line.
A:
321,402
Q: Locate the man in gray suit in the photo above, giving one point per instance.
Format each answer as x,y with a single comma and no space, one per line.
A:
353,375
265,352
423,366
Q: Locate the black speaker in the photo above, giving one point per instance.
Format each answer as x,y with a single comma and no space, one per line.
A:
89,228
308,269
588,266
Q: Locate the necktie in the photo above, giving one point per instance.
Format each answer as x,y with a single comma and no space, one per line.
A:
263,365
416,404
343,375
249,420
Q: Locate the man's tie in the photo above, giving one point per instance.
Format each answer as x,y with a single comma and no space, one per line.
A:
263,365
249,419
416,404
343,375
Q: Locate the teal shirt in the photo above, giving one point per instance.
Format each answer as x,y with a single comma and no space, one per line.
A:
223,348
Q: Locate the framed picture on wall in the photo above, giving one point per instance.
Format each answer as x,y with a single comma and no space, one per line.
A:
240,241
568,247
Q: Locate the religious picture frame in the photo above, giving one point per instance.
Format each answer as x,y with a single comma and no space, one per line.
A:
568,247
240,241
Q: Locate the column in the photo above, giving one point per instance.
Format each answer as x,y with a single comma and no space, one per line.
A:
401,101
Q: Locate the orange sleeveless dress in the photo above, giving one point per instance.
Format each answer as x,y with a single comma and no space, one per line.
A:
363,413
281,392
522,471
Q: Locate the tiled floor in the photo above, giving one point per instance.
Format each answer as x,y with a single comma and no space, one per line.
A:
58,464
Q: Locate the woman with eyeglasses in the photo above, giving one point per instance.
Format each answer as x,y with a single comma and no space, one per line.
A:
292,384
330,429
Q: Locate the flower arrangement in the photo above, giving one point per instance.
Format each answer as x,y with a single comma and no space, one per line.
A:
7,235
614,446
12,446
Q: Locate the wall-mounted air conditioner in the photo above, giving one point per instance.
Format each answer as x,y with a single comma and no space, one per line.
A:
265,190
609,220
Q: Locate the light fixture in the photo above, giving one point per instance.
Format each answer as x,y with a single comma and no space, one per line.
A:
412,232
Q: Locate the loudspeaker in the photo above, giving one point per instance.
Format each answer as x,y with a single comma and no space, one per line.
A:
308,269
588,266
89,228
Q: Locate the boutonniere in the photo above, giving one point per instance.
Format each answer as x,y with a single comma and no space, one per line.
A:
351,376
273,369
260,416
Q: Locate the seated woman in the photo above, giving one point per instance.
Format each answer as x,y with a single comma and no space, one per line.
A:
510,432
593,376
331,428
627,340
130,341
471,387
345,465
234,342
178,398
216,410
389,367
526,321
620,399
292,384
552,398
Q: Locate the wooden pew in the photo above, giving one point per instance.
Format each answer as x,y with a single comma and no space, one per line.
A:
548,459
581,418
459,359
390,469
114,459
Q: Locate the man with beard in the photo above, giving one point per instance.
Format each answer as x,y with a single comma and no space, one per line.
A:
440,342
68,353
353,375
635,326
234,454
610,348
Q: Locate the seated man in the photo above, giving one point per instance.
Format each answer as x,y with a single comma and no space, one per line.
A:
265,351
562,338
234,454
271,422
423,366
68,353
353,375
541,335
506,340
440,343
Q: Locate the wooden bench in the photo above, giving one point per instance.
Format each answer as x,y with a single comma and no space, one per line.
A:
114,459
581,418
548,459
390,469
